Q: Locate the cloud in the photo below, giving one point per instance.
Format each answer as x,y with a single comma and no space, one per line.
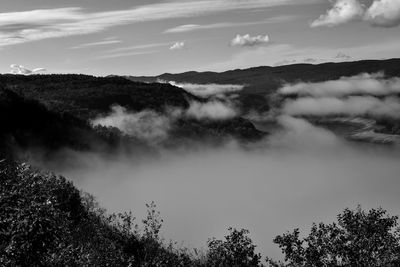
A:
363,84
126,54
247,40
381,13
19,69
342,12
27,26
138,47
192,27
197,27
384,13
343,56
135,50
100,43
177,46
207,90
211,110
367,106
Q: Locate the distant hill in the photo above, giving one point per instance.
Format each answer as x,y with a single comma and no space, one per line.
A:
266,80
86,96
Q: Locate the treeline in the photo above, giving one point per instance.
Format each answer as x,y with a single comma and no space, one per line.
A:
46,221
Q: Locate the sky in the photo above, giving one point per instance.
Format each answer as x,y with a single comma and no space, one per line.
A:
151,37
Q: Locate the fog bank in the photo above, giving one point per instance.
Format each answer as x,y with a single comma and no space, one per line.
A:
301,174
363,84
369,106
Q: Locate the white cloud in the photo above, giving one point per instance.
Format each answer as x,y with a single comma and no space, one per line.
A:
177,46
207,90
342,11
363,84
18,69
247,40
384,13
26,26
381,13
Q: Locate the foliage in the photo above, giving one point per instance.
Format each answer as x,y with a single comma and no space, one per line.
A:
236,250
46,221
359,238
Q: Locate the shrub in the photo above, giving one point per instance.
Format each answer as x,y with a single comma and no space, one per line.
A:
359,238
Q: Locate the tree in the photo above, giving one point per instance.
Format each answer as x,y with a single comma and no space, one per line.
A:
236,250
359,238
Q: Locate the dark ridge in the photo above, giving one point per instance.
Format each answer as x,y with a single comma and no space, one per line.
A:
264,80
87,96
28,124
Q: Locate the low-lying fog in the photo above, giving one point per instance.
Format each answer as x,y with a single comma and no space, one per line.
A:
299,175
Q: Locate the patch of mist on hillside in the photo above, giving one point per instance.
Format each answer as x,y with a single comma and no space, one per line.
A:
208,90
154,127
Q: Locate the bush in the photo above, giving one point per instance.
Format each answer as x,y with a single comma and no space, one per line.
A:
236,250
359,238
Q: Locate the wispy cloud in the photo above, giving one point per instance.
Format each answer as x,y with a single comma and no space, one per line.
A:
198,27
101,43
134,50
27,26
139,47
127,54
